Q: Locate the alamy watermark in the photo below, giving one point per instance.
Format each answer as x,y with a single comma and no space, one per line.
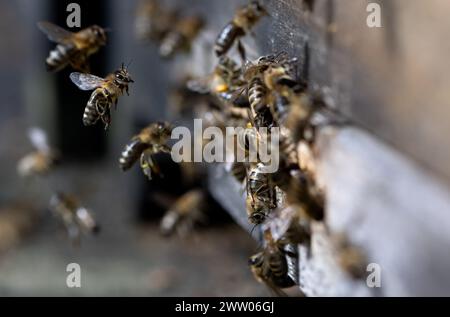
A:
373,280
73,279
74,18
374,17
232,144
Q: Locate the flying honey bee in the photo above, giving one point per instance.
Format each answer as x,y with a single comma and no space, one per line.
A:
181,36
153,21
184,214
261,195
76,218
41,160
149,141
271,266
243,21
72,49
107,92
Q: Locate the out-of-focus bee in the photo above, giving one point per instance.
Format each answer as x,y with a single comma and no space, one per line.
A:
17,221
302,108
73,49
149,141
154,21
107,92
181,36
239,171
261,194
243,21
184,214
349,257
41,160
301,190
76,218
290,225
224,80
271,266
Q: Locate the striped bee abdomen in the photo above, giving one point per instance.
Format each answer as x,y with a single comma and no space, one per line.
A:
90,115
256,94
132,153
60,57
226,38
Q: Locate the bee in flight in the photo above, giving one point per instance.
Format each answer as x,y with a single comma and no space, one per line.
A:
181,36
184,214
243,21
153,21
107,92
143,146
76,218
39,161
72,49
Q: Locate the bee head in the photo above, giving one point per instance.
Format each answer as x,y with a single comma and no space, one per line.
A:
99,34
123,77
163,128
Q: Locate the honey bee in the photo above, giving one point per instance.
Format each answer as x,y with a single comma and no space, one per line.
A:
271,82
76,218
271,266
41,160
184,214
301,190
149,141
349,257
258,94
261,195
181,36
153,21
290,225
72,49
303,108
224,80
107,92
243,21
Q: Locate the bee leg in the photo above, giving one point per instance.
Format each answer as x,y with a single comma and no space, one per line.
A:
163,148
149,166
126,89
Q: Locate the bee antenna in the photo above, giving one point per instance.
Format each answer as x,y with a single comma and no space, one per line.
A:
129,63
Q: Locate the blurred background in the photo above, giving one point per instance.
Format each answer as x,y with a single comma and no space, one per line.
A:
129,256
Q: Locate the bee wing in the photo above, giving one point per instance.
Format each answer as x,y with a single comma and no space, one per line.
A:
39,139
86,81
55,33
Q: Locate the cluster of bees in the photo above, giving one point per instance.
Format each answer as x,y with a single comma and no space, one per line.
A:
263,93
